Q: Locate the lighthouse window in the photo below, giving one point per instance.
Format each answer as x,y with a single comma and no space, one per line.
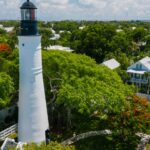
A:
32,14
22,14
25,14
28,14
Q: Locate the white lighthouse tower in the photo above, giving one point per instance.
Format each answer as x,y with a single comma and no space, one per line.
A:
33,119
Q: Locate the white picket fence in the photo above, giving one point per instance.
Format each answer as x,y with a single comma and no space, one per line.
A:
5,133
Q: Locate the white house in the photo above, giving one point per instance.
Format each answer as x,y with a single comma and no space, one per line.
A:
111,64
1,26
119,30
55,37
61,48
82,27
133,28
53,31
8,29
137,71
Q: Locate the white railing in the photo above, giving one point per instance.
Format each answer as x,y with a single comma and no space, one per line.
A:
144,81
5,133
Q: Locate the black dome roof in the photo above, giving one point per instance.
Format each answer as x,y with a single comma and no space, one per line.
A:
28,5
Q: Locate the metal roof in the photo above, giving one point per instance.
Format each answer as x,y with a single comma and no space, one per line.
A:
135,71
112,64
146,62
28,5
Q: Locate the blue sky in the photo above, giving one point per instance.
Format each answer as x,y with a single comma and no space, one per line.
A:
81,9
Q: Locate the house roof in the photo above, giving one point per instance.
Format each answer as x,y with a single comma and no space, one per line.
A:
145,61
59,47
135,71
112,64
8,29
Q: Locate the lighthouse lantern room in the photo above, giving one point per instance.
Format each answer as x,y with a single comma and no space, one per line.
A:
28,19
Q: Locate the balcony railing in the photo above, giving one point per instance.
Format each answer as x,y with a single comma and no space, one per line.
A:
135,80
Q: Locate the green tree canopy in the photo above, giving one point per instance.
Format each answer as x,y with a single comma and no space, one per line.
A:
120,41
83,85
6,88
138,34
46,34
65,25
93,40
9,63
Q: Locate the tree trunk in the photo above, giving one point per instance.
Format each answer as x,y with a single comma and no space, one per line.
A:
85,135
59,122
68,118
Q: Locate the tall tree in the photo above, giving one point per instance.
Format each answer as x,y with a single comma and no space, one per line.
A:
82,86
46,34
6,88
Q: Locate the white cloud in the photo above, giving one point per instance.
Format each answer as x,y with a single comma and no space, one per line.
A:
80,9
94,3
57,2
9,9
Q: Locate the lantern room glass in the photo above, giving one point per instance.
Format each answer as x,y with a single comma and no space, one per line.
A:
29,14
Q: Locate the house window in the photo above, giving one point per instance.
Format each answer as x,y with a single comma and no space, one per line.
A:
137,76
138,66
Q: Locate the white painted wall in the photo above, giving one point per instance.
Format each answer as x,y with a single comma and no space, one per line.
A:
33,119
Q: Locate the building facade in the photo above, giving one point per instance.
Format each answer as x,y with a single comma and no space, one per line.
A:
139,74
